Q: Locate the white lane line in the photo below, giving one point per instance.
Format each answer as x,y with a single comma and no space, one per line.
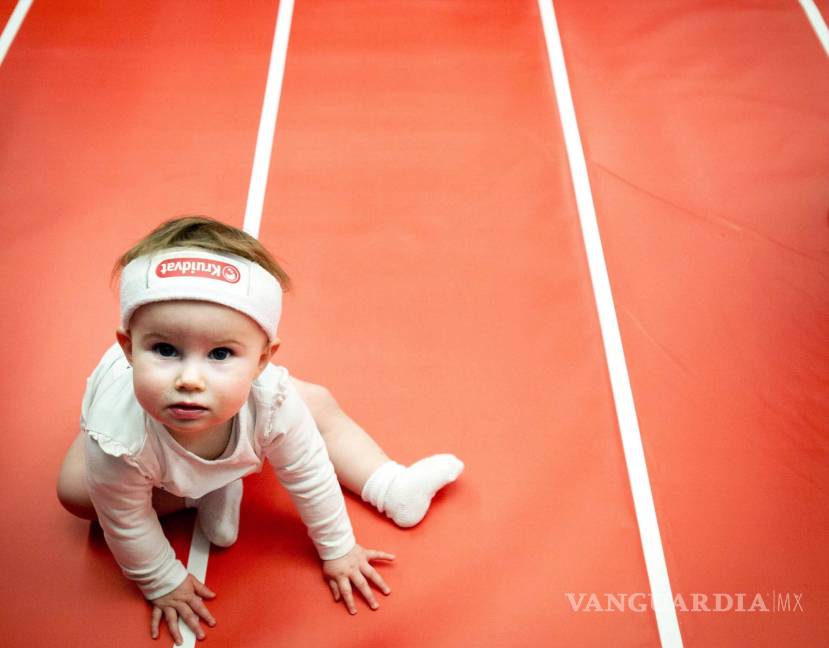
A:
662,597
267,122
199,545
10,31
196,565
818,23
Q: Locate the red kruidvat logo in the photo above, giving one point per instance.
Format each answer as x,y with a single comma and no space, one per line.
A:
193,267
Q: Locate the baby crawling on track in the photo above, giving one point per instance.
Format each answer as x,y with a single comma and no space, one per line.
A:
187,403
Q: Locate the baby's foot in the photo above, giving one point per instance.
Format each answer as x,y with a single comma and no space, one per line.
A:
404,494
219,514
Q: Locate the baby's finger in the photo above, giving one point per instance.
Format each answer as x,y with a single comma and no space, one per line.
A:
155,622
201,609
345,590
373,554
334,589
201,589
365,590
190,618
376,578
172,623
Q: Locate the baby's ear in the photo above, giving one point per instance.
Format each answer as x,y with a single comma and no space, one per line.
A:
267,353
125,341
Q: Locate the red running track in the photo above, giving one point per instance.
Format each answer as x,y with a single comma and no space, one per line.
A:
420,197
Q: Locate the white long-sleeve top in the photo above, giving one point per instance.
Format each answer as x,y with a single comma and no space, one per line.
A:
128,453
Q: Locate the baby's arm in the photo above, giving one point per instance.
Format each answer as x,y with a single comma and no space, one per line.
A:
122,498
299,458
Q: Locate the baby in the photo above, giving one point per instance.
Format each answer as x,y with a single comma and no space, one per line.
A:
187,403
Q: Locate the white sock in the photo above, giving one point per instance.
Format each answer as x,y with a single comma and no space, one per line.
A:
219,513
404,494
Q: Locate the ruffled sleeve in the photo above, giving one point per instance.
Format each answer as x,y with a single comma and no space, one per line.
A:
297,454
122,497
120,484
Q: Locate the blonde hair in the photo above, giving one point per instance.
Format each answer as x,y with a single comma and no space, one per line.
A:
206,233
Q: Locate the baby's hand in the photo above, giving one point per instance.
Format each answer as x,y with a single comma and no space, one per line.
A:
186,602
354,567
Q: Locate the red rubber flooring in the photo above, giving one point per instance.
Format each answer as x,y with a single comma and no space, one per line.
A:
420,197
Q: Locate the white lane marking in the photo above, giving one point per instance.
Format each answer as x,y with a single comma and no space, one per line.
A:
662,597
10,31
267,122
818,23
199,545
196,565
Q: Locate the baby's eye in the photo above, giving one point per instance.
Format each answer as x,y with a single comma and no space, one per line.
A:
164,350
221,353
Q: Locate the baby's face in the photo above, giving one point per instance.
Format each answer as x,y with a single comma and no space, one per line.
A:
193,364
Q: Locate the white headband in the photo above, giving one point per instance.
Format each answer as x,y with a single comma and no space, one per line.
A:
195,273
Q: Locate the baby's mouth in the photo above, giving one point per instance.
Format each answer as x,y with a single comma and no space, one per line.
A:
186,410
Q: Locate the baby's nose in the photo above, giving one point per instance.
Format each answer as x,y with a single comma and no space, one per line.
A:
190,377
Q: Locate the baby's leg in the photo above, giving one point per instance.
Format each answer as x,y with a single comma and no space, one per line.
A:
73,494
354,453
402,493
